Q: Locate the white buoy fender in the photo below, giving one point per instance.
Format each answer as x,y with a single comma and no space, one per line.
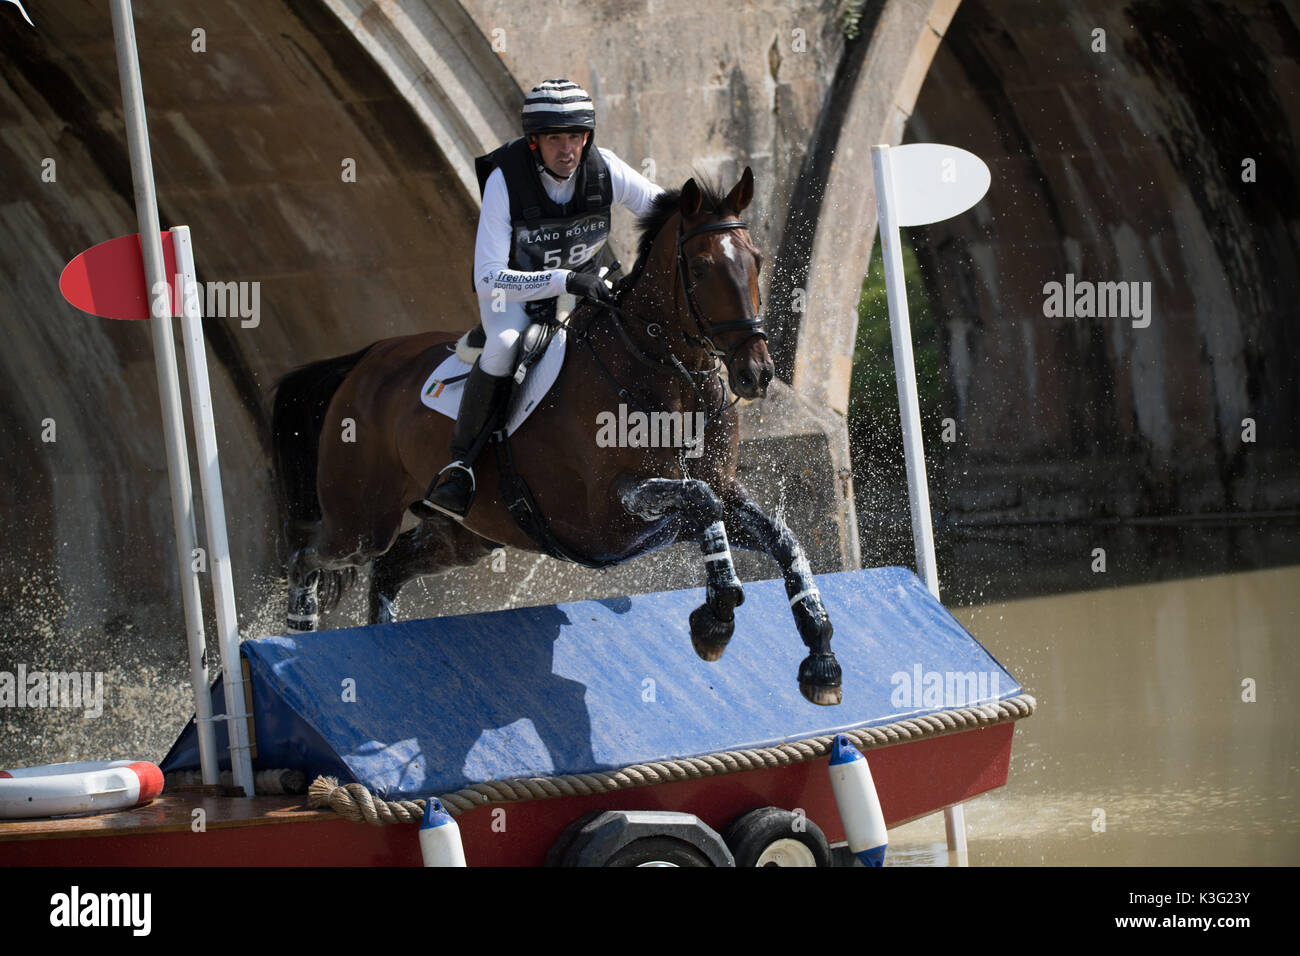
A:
859,806
440,837
81,787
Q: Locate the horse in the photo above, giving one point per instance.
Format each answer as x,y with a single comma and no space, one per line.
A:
353,446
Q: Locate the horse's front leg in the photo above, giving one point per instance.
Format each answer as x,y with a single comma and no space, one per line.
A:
819,674
713,622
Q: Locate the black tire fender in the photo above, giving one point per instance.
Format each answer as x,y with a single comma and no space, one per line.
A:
778,834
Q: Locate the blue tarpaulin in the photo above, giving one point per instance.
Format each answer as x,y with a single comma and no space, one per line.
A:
430,706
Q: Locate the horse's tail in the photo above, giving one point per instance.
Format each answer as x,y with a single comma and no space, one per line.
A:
302,397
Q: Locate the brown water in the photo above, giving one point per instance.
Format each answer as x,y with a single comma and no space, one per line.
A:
1141,718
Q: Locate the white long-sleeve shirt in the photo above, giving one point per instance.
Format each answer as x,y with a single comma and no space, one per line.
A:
492,247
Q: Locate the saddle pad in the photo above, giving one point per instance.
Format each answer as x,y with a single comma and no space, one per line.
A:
445,398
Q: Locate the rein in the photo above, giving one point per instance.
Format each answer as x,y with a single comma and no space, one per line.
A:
681,369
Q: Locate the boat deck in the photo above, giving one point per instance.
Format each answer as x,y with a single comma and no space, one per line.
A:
435,706
171,812
236,831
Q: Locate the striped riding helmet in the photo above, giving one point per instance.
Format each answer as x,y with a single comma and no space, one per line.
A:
558,105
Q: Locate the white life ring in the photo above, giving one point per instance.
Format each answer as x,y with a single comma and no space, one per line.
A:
86,786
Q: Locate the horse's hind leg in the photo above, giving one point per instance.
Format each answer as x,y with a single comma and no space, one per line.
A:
713,622
819,674
304,608
308,570
435,545
331,548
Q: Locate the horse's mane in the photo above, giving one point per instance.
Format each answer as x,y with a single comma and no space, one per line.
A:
661,210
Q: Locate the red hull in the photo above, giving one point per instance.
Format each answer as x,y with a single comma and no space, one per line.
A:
913,780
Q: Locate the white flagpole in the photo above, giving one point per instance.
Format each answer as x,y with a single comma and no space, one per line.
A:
909,410
214,510
164,349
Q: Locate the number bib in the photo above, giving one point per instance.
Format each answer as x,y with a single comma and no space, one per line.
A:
560,243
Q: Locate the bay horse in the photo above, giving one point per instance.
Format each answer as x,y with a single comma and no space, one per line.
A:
353,445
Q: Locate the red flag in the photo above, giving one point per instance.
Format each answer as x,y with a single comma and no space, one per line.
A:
108,279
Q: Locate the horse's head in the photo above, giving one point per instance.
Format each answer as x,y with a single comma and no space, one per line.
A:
717,267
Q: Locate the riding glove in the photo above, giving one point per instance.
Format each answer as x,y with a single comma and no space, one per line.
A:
588,285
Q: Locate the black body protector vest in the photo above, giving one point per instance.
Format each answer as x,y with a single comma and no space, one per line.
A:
543,233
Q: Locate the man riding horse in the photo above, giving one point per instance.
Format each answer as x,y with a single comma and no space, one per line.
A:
684,331
545,218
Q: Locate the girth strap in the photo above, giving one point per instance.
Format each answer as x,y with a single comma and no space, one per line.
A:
519,501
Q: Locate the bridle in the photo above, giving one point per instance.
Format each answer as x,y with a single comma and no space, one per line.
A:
703,326
707,329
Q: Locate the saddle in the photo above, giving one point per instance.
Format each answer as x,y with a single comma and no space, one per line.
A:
532,346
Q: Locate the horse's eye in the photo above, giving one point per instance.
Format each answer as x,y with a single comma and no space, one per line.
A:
699,268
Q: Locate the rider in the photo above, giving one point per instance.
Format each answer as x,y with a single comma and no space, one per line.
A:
545,217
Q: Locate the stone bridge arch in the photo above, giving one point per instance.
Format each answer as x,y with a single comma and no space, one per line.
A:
440,62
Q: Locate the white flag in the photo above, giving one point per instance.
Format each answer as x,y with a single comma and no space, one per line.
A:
933,182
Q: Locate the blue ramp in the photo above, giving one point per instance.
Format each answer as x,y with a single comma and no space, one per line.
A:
427,707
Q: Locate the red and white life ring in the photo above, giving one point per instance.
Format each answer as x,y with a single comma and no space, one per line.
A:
86,786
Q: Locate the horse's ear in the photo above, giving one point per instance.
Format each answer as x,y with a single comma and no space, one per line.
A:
691,200
743,194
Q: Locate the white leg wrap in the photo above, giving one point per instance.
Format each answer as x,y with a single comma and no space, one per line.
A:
806,592
717,557
716,546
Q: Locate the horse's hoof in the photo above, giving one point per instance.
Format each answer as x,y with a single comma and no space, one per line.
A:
819,680
821,696
710,636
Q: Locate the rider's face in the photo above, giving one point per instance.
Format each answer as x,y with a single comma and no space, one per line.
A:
561,152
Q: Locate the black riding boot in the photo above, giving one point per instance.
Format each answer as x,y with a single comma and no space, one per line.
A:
452,491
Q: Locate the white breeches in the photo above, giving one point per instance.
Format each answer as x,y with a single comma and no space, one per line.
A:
503,330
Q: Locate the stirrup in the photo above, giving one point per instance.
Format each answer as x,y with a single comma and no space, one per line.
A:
433,506
460,464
